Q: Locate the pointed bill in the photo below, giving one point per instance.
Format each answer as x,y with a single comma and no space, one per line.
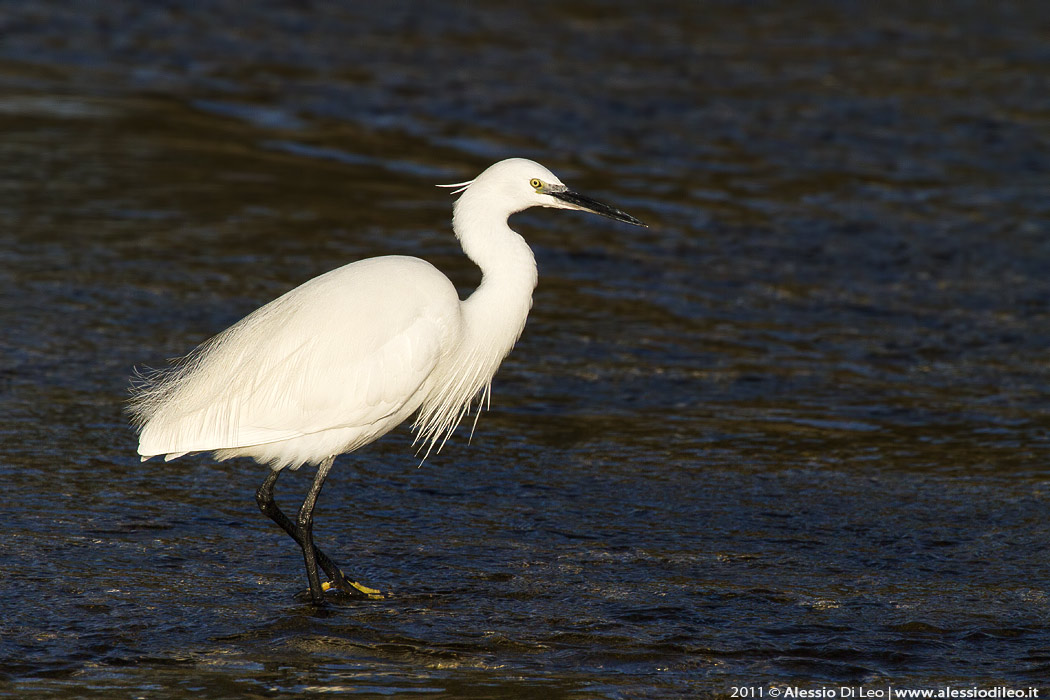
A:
575,200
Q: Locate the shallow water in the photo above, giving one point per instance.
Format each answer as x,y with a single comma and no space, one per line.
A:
797,432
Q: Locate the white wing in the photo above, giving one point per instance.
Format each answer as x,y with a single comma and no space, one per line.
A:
351,348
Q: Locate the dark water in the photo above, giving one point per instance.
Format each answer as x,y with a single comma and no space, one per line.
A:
796,433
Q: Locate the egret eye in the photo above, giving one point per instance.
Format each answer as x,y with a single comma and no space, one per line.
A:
536,183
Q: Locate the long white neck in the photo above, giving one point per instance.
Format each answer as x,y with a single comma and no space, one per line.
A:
495,313
493,316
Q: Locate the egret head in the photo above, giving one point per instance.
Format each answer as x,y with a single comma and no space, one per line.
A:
516,184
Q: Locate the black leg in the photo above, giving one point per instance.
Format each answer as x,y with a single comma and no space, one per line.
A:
267,504
265,498
305,521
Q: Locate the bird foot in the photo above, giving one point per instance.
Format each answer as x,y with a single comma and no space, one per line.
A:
353,588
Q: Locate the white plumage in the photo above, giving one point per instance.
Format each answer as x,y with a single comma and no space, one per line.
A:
346,357
296,381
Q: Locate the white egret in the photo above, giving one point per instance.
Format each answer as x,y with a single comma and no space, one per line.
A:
346,357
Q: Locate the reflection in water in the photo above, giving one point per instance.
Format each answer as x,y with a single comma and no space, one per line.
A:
794,433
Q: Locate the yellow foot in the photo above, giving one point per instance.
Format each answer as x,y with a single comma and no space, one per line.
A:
370,593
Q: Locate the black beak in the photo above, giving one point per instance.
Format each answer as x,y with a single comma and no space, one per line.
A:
578,201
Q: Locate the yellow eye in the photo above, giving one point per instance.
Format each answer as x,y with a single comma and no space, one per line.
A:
536,183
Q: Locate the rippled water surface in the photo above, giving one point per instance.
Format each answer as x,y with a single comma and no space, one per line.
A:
797,432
